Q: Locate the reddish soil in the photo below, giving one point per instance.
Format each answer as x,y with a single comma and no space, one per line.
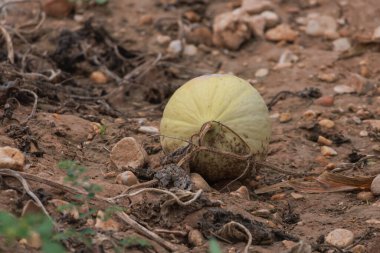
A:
69,104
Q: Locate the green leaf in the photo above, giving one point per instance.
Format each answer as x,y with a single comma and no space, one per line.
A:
52,247
214,246
100,2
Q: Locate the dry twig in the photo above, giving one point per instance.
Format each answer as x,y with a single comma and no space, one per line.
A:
8,41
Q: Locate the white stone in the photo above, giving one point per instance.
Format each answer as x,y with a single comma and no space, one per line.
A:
260,73
340,238
376,33
163,39
190,50
342,89
148,130
271,18
175,47
341,44
320,25
375,186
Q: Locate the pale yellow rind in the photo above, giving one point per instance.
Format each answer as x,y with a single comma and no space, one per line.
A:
223,98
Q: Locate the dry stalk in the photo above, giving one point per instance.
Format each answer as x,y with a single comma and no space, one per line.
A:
8,41
195,196
34,104
12,173
246,231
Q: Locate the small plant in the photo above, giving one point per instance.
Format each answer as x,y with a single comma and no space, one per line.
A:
13,229
102,130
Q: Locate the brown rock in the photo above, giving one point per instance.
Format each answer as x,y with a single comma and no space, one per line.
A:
230,30
128,153
199,35
196,238
326,123
296,196
325,101
375,186
127,178
324,141
192,16
242,193
199,182
340,238
278,196
146,19
359,249
281,32
11,158
98,77
256,6
327,77
285,117
57,8
365,196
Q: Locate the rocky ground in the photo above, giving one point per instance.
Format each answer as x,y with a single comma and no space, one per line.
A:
89,82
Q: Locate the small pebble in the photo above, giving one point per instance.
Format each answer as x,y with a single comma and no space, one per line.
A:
260,73
343,89
278,196
196,238
192,16
11,158
363,133
324,141
296,196
376,33
288,244
373,221
325,101
163,39
98,77
199,182
357,120
327,77
146,19
148,130
375,186
175,47
190,50
359,249
376,148
285,117
281,32
326,123
256,6
271,18
127,178
341,44
242,192
327,151
365,196
340,238
263,213
309,115
330,166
